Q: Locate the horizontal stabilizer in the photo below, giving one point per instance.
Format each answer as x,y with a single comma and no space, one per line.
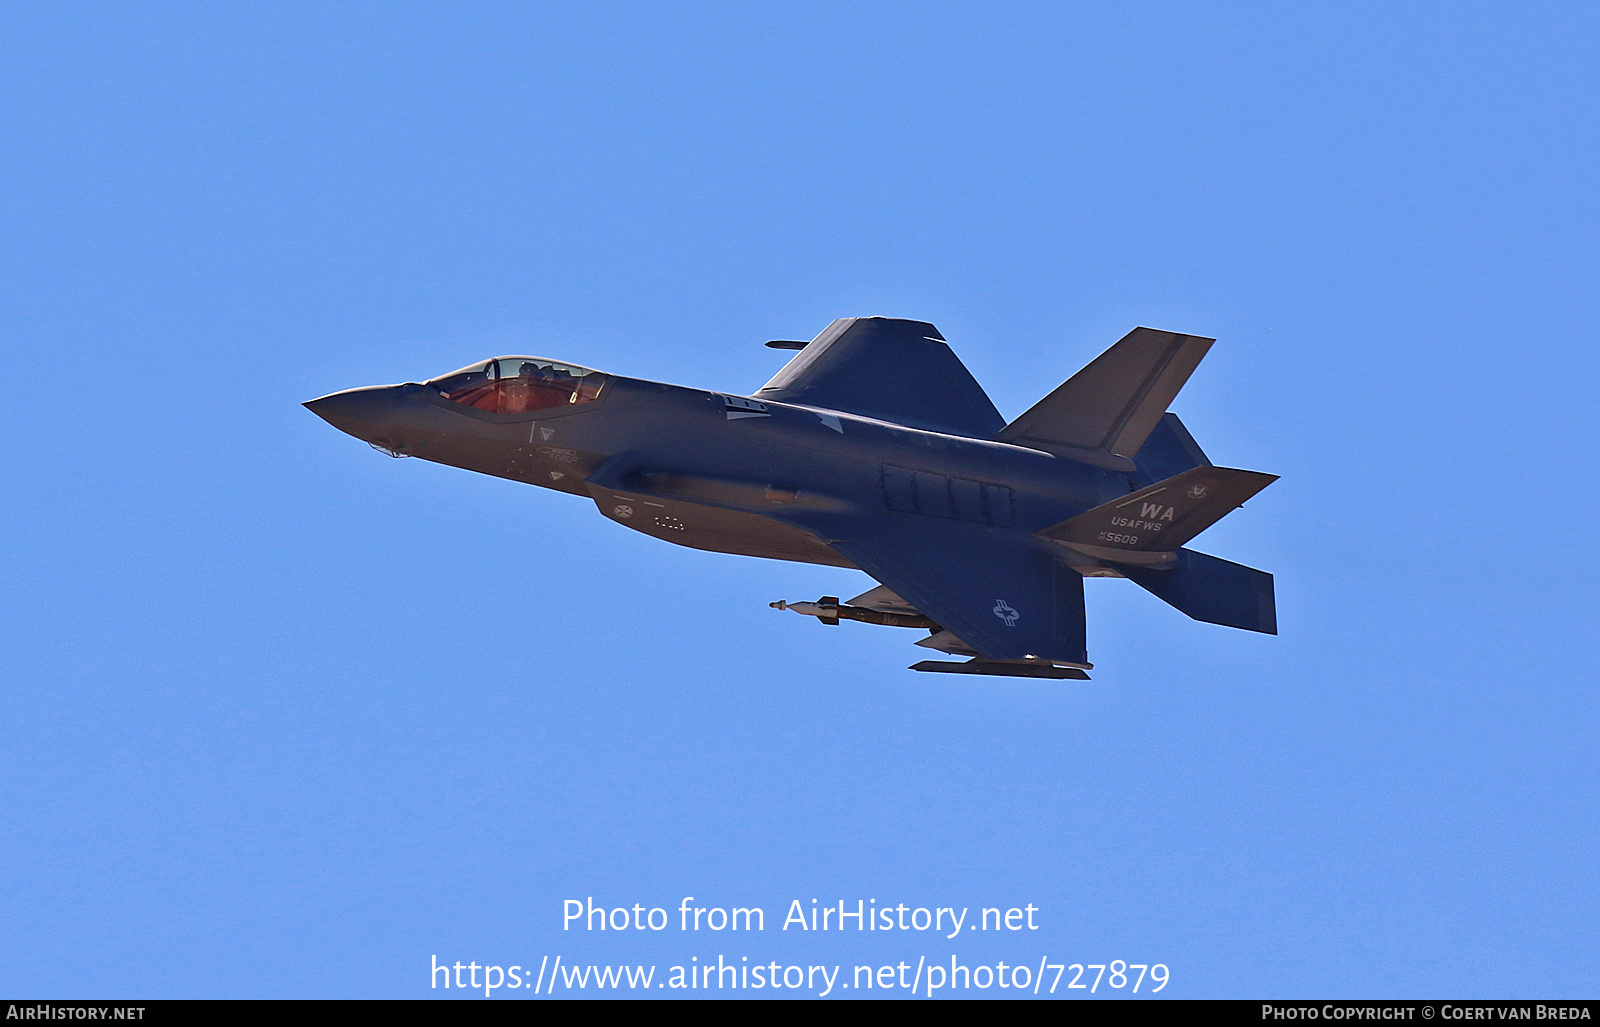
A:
1213,590
1148,526
1111,406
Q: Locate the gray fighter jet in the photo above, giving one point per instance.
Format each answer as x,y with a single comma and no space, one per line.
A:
875,448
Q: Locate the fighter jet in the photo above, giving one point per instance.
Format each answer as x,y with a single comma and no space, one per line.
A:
875,448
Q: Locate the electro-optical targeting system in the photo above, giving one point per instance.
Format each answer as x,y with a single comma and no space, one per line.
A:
875,448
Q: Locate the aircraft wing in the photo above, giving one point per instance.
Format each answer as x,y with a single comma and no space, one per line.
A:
889,369
1000,591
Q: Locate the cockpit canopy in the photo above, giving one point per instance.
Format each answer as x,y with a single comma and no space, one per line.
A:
520,385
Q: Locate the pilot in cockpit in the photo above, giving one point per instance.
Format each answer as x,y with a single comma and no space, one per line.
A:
520,385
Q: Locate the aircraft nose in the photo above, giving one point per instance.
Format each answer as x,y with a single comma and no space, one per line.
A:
364,413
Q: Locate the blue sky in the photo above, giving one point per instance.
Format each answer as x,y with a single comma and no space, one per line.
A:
282,717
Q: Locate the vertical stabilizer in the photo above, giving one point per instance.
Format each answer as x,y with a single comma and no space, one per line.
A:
1110,407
